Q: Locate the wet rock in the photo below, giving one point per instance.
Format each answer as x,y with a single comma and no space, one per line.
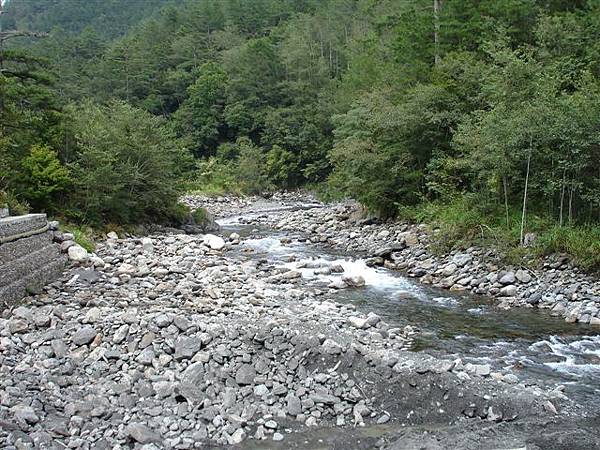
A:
338,283
354,281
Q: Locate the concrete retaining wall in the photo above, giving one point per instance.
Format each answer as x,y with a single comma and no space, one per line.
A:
28,257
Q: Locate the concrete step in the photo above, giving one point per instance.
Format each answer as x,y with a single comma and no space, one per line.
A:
32,283
17,227
11,251
28,263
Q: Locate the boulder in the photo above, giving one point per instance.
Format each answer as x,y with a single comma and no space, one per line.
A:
77,253
214,242
523,276
354,280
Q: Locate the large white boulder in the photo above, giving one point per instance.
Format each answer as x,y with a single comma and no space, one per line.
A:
214,242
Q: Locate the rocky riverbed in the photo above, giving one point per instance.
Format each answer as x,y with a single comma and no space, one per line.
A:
557,285
193,341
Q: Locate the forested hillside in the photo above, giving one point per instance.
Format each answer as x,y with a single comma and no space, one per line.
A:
481,115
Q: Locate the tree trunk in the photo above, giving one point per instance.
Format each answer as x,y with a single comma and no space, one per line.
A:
524,213
562,199
571,203
437,5
505,183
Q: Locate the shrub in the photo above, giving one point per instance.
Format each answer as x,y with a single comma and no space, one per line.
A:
128,166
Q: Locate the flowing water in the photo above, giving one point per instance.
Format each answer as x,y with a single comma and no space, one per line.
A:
529,342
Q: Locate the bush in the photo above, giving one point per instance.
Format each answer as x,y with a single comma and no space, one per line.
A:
16,207
128,166
82,236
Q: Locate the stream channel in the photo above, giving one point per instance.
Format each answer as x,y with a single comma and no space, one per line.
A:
538,348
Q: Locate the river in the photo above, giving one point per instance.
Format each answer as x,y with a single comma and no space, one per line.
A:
538,348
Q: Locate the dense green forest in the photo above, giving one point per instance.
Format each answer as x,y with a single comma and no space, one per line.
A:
480,115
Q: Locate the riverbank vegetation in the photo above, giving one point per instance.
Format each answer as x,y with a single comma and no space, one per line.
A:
483,117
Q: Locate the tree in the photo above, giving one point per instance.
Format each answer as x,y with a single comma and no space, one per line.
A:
126,167
201,116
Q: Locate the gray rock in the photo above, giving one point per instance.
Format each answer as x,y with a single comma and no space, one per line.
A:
214,242
271,424
277,437
245,375
508,291
326,399
294,406
84,335
237,437
354,281
331,347
186,347
147,245
78,254
25,414
121,334
507,278
383,419
523,276
16,326
146,356
462,259
142,434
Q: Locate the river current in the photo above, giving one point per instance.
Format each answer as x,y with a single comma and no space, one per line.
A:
530,343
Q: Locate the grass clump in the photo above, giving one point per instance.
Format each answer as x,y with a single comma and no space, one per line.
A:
82,235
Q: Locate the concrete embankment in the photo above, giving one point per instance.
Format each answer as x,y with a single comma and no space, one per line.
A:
29,259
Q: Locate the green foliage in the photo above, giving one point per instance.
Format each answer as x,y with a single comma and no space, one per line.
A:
482,118
200,117
582,243
83,235
16,206
249,168
127,165
45,178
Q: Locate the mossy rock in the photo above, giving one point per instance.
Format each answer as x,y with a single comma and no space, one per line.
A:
204,220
